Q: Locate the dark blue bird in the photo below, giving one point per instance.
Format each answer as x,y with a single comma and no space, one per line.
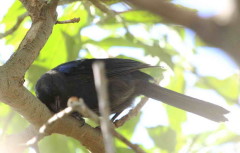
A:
125,82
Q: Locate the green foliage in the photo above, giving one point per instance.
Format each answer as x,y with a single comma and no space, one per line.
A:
231,88
60,144
10,19
164,138
177,116
68,42
110,1
140,16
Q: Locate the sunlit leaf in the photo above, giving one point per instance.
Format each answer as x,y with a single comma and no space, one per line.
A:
14,11
163,55
109,42
110,1
10,19
228,87
73,44
124,150
128,128
18,123
59,144
163,137
176,116
34,73
140,16
66,43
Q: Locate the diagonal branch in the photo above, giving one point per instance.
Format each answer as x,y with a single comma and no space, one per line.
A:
23,16
212,31
103,7
168,10
15,27
13,93
81,107
43,19
133,112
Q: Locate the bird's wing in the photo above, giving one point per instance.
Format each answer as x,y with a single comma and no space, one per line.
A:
114,67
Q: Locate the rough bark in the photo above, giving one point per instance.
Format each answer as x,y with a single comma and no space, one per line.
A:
14,94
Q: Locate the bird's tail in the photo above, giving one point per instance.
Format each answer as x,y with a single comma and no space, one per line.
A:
193,105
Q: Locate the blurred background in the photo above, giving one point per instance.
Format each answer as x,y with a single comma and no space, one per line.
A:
189,66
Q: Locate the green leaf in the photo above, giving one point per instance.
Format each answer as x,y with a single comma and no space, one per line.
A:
163,137
124,150
15,38
33,74
14,11
140,16
18,123
228,137
110,1
127,130
113,41
177,116
10,20
54,52
73,45
59,144
5,109
228,87
199,42
163,54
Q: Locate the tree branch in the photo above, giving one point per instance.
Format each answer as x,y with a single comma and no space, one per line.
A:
81,107
15,27
168,10
133,112
43,18
225,36
13,93
74,20
103,7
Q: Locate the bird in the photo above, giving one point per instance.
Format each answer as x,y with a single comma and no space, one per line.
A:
126,81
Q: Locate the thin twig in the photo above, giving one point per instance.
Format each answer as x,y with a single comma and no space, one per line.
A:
135,147
74,104
111,13
103,7
15,27
103,101
79,106
82,108
74,20
50,121
133,112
